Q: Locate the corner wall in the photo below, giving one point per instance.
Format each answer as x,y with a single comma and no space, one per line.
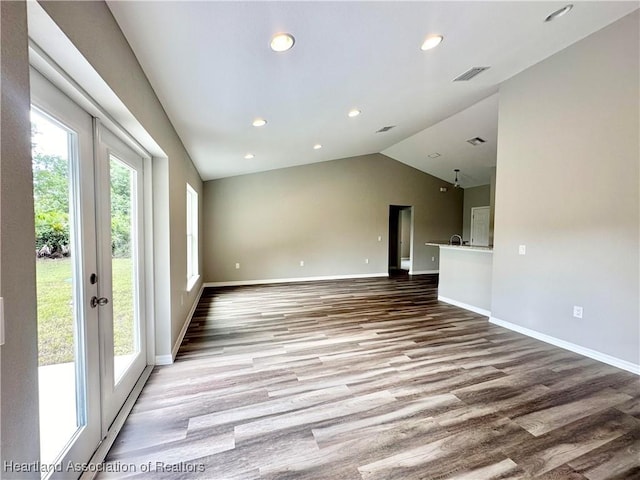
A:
19,355
568,188
327,214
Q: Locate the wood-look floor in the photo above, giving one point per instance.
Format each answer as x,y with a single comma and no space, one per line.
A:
374,379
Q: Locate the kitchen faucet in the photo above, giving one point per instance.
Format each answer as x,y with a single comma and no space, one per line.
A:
454,236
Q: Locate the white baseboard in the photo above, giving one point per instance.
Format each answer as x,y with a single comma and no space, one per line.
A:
168,359
466,306
587,352
423,272
164,359
290,280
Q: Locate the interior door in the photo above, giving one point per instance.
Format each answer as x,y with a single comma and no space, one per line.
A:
480,226
68,354
119,187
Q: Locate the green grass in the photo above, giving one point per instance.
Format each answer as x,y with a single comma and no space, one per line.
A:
55,310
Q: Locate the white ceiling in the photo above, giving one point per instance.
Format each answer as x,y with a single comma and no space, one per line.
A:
211,67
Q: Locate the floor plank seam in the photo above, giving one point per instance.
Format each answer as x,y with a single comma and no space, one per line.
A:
376,379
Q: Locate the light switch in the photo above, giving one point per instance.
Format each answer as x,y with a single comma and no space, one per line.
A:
1,321
522,250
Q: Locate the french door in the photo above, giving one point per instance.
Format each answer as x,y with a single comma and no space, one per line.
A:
90,291
119,193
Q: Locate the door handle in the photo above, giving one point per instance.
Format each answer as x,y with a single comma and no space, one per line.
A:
98,302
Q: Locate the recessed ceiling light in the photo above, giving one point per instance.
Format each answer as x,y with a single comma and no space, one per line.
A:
259,122
354,112
431,41
281,42
249,156
317,146
558,13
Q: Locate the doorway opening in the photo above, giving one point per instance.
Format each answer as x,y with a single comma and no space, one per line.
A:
400,239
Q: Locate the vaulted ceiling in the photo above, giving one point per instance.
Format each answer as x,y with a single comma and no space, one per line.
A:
212,68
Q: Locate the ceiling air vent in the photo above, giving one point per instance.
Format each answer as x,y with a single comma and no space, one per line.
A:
469,74
385,129
476,141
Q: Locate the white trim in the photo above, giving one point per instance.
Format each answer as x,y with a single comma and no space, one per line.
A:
291,280
101,453
466,306
149,263
587,352
168,359
423,272
193,262
164,359
192,281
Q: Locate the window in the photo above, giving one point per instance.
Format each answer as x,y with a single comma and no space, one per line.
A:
192,237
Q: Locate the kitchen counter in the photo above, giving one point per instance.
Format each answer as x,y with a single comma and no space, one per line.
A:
465,276
477,248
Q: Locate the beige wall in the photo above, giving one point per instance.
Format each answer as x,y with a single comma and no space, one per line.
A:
568,188
19,356
473,197
327,214
95,33
465,278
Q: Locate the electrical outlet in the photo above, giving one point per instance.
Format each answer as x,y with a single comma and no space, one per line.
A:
366,260
237,266
522,250
577,311
379,238
302,263
433,259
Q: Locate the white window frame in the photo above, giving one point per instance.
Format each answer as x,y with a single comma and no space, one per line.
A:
193,273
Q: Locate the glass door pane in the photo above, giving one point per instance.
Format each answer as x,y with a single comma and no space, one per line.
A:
126,316
60,325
